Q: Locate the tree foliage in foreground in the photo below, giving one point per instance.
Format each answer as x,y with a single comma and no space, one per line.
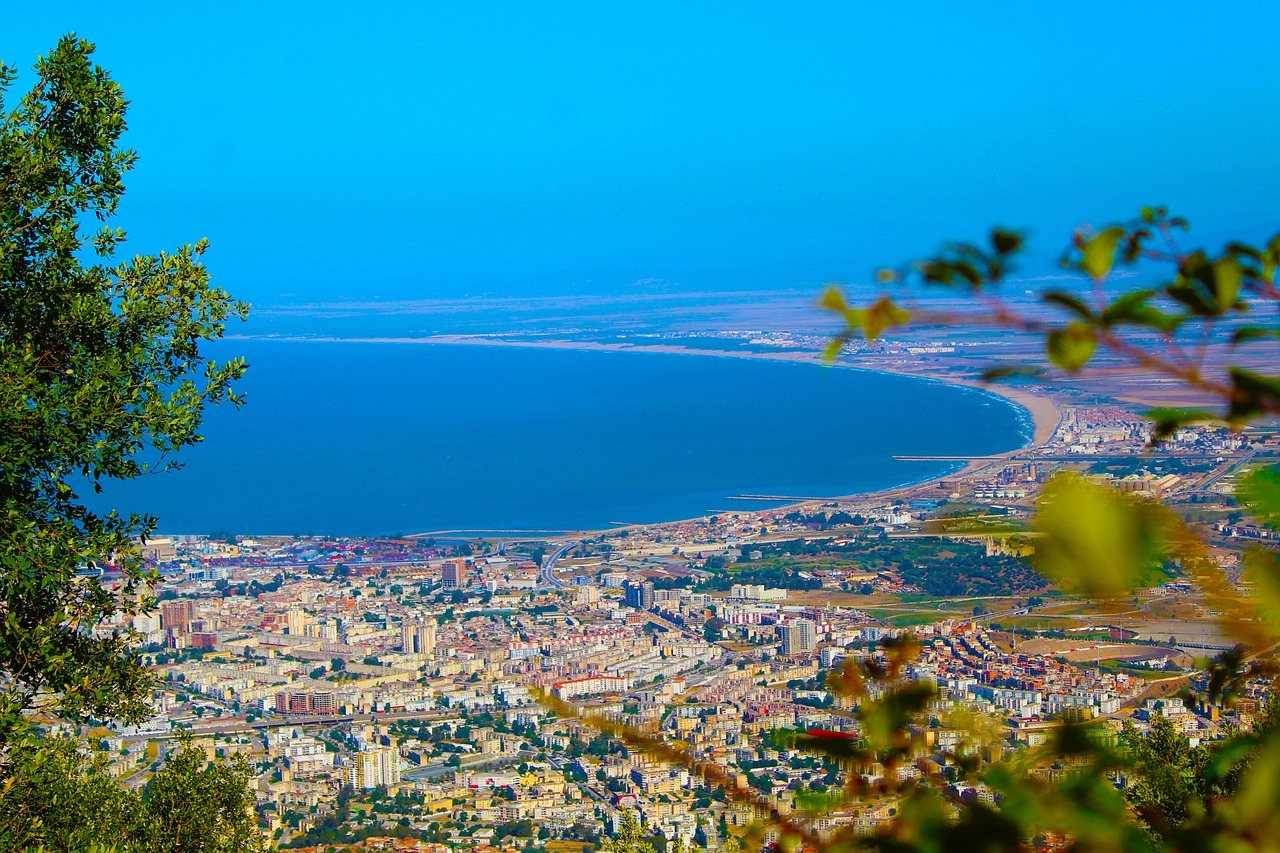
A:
1210,327
102,378
57,799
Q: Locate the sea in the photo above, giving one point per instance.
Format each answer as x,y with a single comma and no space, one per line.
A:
375,439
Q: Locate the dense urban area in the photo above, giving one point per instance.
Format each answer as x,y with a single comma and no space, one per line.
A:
409,692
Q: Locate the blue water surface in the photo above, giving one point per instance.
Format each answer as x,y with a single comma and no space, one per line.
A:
374,438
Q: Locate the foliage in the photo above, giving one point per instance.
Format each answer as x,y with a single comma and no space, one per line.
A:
56,798
629,838
1201,328
101,378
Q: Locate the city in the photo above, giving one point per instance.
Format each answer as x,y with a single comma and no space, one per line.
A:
414,689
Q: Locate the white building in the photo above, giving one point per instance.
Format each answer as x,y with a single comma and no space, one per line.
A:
372,767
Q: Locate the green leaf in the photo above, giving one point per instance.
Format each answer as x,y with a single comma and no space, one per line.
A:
1229,756
1244,334
1259,490
1133,308
1228,280
1262,571
1096,540
1209,288
1071,347
1252,395
832,349
833,300
943,271
1259,796
1068,301
1099,253
1170,420
882,315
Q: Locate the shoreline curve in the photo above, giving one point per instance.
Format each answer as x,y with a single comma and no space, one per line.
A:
1043,413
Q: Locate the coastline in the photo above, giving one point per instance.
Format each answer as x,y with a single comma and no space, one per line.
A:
1042,412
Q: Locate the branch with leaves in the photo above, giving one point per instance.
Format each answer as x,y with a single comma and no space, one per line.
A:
103,376
1094,541
1205,307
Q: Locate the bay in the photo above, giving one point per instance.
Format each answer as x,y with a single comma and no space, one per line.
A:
348,438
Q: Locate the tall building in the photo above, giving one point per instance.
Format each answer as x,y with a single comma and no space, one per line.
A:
176,616
418,638
373,767
453,574
638,595
297,624
798,636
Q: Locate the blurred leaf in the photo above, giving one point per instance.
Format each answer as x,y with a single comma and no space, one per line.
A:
1071,347
1270,260
833,300
1068,301
980,829
1253,333
887,276
1005,242
1170,420
1252,394
1099,253
1262,570
1133,308
968,272
885,722
1071,738
1229,756
1133,245
1208,288
1225,672
1259,794
996,374
940,271
1228,281
848,745
883,314
1095,539
833,348
1259,490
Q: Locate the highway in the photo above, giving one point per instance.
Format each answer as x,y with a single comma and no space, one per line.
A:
275,722
548,573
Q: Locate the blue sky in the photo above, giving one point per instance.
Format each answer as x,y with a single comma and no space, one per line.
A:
425,150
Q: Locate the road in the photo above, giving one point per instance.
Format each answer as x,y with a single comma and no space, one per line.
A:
548,573
435,770
241,727
1219,472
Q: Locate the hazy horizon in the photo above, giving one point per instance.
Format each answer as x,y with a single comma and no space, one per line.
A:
415,151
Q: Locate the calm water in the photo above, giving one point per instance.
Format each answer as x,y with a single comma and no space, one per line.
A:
353,438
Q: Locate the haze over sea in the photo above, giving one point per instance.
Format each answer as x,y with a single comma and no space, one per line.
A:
375,438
